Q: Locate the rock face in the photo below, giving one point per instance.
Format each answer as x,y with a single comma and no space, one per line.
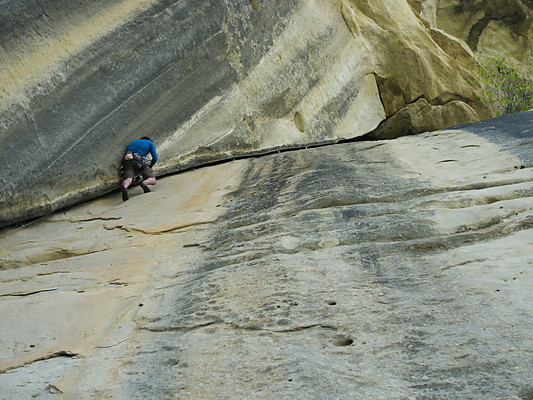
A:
208,81
491,28
358,270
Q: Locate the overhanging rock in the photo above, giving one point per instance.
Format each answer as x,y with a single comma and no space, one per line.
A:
207,80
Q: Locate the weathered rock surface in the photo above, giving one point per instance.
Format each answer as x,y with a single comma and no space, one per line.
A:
491,28
208,81
373,270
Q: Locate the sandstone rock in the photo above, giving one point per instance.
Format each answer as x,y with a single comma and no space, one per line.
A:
375,270
422,117
491,28
208,81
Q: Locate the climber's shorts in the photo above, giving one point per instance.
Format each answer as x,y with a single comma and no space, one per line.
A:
130,167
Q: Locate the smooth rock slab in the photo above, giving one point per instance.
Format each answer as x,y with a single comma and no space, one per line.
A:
376,270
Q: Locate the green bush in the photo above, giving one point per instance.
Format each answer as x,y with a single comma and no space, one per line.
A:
505,87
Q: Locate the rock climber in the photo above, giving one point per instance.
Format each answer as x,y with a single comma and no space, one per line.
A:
135,161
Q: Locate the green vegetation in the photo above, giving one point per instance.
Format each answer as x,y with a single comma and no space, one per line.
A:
505,87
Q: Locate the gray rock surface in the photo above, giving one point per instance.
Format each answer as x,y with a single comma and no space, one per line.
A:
394,269
209,81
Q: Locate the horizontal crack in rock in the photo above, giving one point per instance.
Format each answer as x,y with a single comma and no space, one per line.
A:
448,241
182,328
447,161
57,354
88,219
173,229
236,326
447,267
52,273
302,328
48,256
23,294
111,345
257,327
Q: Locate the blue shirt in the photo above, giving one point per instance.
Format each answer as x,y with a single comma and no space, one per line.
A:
143,147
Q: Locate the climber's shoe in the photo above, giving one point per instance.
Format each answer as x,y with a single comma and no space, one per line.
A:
125,195
145,188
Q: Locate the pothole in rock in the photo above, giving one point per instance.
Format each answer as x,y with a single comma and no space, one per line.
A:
343,341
